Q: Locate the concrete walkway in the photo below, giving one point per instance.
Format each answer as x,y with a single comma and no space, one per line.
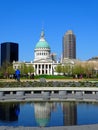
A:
83,127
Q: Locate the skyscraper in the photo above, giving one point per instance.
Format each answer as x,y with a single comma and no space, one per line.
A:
69,45
9,52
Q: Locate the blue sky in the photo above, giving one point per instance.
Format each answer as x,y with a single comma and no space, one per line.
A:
21,21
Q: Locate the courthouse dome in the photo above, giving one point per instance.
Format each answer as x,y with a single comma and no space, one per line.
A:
42,42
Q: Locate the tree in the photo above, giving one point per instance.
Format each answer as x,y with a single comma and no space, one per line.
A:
23,69
67,69
30,69
88,69
6,69
58,69
26,70
77,69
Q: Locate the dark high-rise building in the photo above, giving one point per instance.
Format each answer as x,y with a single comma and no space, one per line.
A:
9,52
70,113
69,45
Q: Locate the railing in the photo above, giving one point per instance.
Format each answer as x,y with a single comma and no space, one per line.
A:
52,93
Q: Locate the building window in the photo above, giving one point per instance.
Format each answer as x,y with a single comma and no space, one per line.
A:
49,66
39,66
35,66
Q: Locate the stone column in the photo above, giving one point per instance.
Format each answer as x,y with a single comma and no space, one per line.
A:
48,69
11,93
52,92
44,68
51,69
32,92
93,92
37,69
72,92
41,69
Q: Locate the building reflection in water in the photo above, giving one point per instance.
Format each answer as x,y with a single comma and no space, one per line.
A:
45,113
42,113
70,113
9,112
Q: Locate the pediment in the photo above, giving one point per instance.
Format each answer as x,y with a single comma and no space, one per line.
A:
43,61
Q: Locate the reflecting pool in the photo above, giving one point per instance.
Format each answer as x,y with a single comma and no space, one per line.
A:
46,114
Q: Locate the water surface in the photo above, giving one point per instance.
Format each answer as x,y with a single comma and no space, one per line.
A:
46,114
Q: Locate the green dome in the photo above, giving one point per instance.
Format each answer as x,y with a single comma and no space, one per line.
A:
42,121
42,42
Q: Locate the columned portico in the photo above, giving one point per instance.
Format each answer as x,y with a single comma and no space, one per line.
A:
41,68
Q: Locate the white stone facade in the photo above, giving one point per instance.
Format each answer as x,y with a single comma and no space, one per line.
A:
43,62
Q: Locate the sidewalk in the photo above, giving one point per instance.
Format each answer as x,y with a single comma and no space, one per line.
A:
83,127
31,80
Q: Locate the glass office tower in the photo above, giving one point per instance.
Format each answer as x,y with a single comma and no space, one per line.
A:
9,52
